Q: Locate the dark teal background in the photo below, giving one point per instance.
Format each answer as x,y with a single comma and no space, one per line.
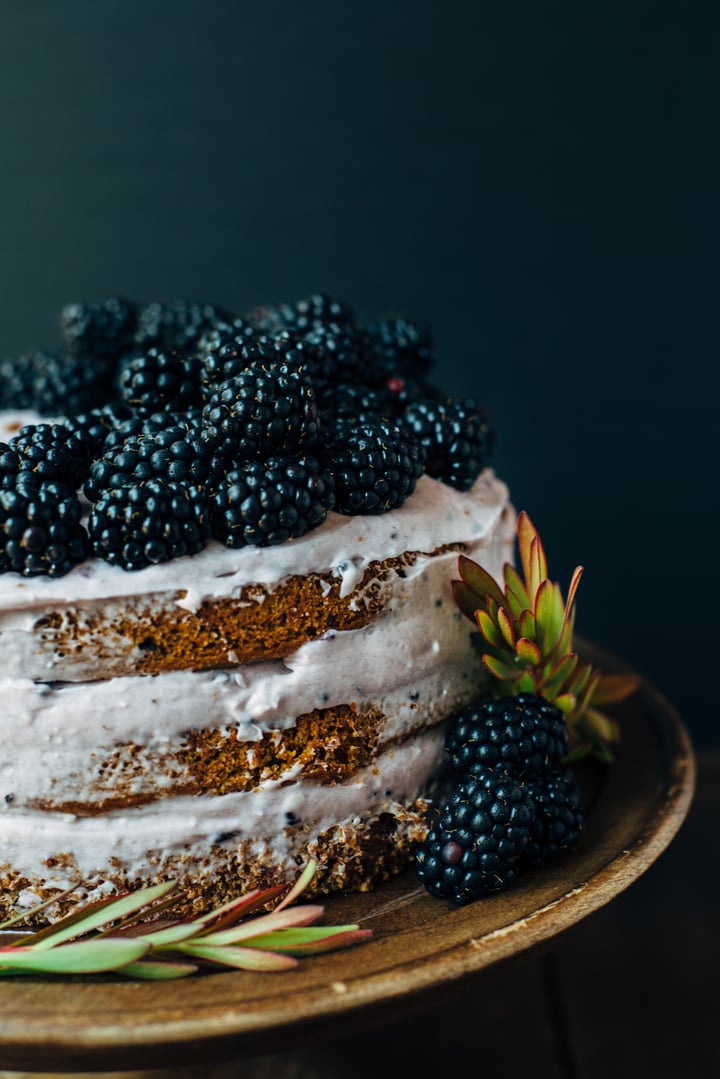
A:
539,181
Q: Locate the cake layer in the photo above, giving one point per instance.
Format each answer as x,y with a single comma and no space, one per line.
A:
227,607
216,847
138,738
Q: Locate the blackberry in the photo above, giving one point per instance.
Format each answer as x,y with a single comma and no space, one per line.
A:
335,353
228,361
178,324
51,451
526,735
302,315
132,425
456,436
399,346
222,332
55,383
355,404
40,529
475,844
96,425
104,328
267,502
375,467
159,380
264,409
559,816
224,352
173,453
144,524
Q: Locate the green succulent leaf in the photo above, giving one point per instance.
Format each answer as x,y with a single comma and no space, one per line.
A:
528,652
566,702
580,680
527,625
501,670
299,942
559,675
532,555
110,912
153,970
80,957
490,631
241,958
267,923
506,628
466,599
526,683
479,581
549,615
514,583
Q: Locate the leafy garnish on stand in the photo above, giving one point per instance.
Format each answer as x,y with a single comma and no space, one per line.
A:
135,935
526,640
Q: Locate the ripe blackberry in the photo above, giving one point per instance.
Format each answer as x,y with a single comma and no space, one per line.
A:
525,735
375,467
147,523
456,436
96,425
178,324
265,409
354,404
302,315
172,453
132,425
475,844
223,332
229,360
55,383
104,328
159,380
267,502
40,530
51,451
224,352
335,353
399,346
559,816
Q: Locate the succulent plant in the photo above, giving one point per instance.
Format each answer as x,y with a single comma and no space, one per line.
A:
526,640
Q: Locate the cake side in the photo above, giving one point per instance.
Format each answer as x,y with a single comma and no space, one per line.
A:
229,777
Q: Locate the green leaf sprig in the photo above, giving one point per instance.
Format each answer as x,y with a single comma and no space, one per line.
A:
526,641
135,935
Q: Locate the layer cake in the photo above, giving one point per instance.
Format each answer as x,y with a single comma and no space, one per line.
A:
220,718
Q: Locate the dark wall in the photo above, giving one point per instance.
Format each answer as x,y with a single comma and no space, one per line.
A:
538,181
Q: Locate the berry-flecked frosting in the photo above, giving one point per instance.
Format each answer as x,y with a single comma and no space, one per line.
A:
179,424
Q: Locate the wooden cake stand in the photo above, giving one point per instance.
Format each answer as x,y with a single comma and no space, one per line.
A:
422,948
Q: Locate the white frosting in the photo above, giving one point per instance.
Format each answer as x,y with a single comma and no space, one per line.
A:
189,826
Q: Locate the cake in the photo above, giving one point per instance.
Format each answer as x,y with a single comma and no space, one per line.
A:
223,716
